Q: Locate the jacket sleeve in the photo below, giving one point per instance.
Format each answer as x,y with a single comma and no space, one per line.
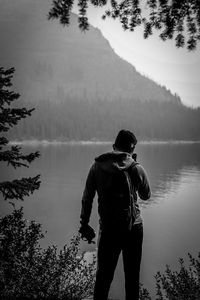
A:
144,190
88,196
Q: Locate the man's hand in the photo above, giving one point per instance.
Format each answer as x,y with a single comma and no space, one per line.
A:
87,233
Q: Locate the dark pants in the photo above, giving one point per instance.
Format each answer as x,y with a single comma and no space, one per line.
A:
109,248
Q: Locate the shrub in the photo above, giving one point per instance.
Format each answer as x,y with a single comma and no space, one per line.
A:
180,285
29,272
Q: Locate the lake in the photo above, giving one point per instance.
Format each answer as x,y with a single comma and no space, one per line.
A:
171,216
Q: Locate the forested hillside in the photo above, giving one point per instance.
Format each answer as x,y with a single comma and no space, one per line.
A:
75,119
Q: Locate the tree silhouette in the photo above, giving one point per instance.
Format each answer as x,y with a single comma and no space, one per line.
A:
12,155
172,18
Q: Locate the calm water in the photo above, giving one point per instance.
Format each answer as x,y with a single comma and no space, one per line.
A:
171,216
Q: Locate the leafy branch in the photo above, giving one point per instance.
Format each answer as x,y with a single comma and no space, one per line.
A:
174,19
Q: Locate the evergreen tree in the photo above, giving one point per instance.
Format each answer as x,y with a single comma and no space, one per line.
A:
12,155
26,270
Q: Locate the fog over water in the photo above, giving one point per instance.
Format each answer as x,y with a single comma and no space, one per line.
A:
171,216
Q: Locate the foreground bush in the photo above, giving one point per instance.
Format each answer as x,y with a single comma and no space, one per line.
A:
29,272
183,284
180,285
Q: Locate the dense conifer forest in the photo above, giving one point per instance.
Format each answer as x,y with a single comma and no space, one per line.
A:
77,119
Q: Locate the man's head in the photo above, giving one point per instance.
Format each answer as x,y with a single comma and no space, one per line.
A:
125,141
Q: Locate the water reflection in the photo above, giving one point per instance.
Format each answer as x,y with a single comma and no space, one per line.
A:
166,164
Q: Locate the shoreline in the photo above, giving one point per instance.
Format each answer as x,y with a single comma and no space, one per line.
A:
95,142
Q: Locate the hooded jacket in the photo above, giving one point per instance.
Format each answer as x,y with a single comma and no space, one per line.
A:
105,165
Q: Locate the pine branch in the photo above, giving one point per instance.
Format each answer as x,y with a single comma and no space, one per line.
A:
3,142
6,76
14,157
7,97
18,189
10,117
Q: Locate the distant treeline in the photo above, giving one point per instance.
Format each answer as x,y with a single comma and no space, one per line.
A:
77,119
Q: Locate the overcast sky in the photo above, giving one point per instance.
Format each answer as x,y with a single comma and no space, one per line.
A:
177,69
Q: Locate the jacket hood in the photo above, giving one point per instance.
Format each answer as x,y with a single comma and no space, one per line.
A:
114,161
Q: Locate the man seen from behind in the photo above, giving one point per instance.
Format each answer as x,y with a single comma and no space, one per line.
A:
119,181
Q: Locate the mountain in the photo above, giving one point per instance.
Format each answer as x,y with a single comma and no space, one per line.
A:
49,57
80,87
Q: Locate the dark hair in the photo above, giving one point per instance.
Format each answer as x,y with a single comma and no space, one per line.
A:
125,141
